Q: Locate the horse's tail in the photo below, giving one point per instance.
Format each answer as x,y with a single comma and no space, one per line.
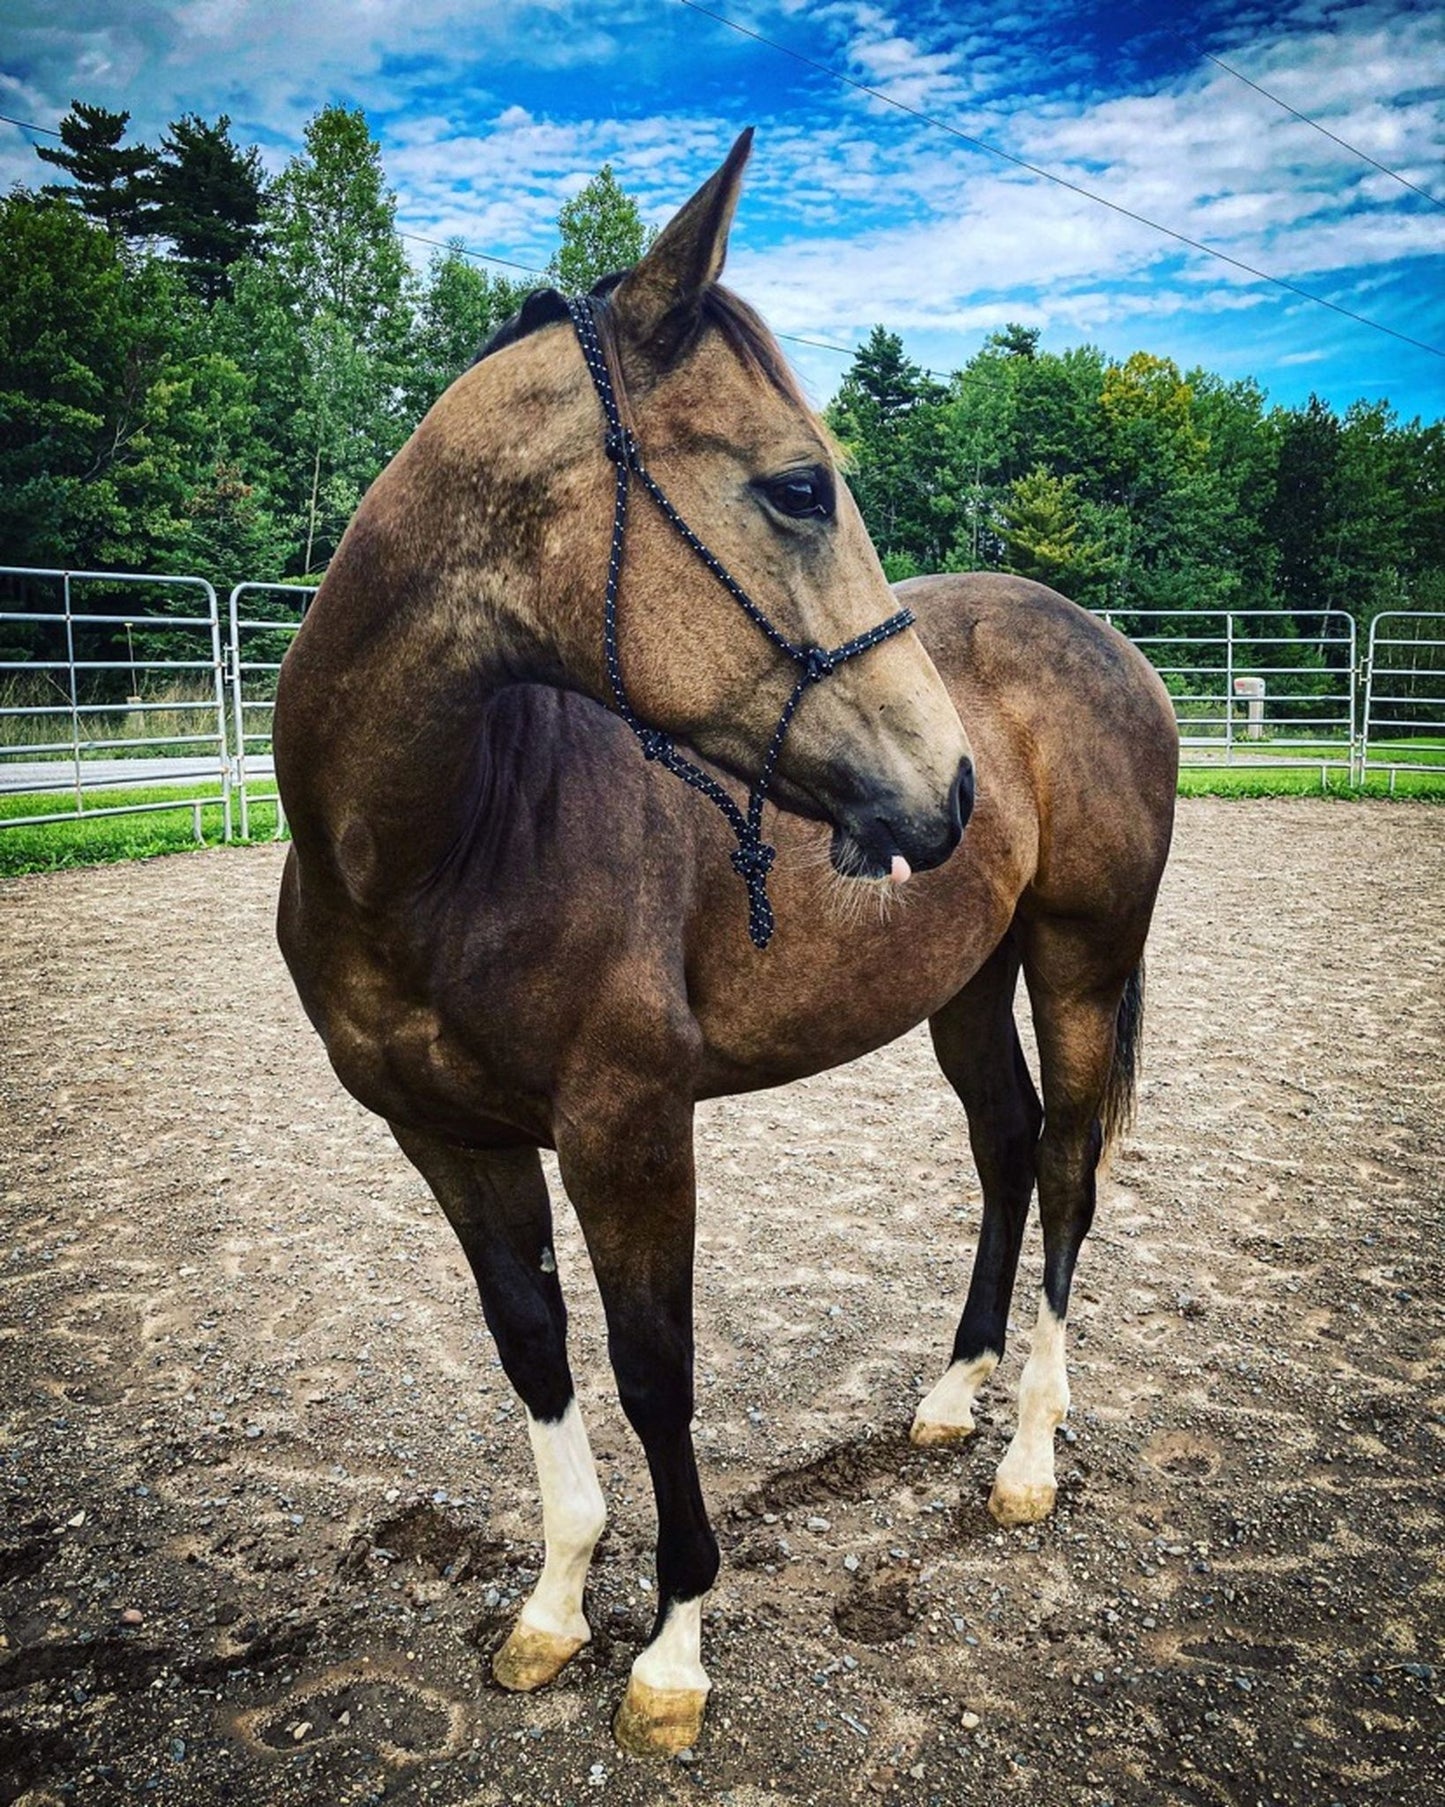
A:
1116,1112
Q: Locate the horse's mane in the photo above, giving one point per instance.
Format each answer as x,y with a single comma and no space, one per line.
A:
753,345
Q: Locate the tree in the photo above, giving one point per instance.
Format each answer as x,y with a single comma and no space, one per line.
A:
602,231
460,308
1044,536
1015,341
108,180
888,415
206,196
333,232
1304,514
337,301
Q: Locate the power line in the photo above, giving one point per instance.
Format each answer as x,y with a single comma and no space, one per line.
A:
1305,119
1035,169
49,131
449,244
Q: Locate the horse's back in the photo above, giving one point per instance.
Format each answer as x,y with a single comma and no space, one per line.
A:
1070,720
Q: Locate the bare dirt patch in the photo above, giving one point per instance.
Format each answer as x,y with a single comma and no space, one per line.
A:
267,1505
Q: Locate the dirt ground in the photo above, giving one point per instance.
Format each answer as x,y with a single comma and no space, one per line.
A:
266,1504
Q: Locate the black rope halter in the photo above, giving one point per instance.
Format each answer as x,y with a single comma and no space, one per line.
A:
753,858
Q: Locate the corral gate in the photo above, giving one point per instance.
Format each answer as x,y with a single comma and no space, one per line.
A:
258,642
1246,691
1404,707
81,721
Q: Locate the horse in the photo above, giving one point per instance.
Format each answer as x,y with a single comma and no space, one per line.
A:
516,930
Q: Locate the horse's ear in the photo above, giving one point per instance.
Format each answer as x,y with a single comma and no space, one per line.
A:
658,302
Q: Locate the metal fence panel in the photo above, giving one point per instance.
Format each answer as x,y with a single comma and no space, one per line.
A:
258,644
1403,715
77,718
1250,691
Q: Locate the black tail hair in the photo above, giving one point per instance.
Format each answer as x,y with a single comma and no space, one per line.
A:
1116,1112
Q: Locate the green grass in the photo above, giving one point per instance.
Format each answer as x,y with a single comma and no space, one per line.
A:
1415,783
96,840
89,840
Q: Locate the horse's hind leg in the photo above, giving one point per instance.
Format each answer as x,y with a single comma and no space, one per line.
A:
497,1203
1075,989
978,1048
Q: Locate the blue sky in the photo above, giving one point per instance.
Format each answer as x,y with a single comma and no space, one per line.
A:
491,113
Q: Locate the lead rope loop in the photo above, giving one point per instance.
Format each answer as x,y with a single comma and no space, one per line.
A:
753,858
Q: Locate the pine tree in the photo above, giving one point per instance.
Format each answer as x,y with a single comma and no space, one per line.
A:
1041,532
108,180
206,197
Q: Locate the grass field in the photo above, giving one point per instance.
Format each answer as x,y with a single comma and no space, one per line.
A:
168,824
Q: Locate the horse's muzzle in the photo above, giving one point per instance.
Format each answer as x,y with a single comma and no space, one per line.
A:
866,841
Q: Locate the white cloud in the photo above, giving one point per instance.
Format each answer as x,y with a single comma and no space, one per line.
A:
854,212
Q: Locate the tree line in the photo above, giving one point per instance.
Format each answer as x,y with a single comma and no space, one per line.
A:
1134,486
201,371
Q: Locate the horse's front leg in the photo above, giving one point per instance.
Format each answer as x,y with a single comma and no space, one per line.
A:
497,1203
628,1169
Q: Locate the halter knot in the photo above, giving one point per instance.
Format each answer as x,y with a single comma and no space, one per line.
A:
622,448
817,663
654,743
753,859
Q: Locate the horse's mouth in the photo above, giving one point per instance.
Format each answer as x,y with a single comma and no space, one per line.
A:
870,856
871,847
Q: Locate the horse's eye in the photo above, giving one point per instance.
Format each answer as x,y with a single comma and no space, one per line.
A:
801,494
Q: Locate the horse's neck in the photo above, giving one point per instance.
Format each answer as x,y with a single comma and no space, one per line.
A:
381,721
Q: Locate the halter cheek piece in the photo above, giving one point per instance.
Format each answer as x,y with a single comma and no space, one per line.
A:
753,857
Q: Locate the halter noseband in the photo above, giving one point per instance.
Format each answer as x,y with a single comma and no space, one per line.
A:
752,859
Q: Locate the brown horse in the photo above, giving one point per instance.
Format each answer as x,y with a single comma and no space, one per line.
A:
516,932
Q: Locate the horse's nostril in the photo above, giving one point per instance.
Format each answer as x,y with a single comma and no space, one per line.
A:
961,797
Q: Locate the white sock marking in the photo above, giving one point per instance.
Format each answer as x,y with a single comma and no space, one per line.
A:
674,1657
1028,1462
573,1516
951,1401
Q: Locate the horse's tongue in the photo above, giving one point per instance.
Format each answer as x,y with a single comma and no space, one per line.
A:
901,871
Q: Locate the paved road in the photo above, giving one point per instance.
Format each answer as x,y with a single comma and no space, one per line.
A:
98,774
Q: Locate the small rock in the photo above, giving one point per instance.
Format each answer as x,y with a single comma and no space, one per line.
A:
819,1524
298,1732
970,1722
132,1616
76,1522
851,1564
687,1755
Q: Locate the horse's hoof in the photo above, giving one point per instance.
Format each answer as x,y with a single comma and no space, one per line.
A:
928,1433
1022,1505
659,1722
530,1658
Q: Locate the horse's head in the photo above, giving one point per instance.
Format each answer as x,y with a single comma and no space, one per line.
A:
876,747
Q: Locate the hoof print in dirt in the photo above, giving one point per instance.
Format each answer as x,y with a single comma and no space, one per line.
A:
876,1612
401,1722
1183,1455
422,1537
30,1553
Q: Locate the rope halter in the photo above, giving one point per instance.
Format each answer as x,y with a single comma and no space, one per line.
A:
753,858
